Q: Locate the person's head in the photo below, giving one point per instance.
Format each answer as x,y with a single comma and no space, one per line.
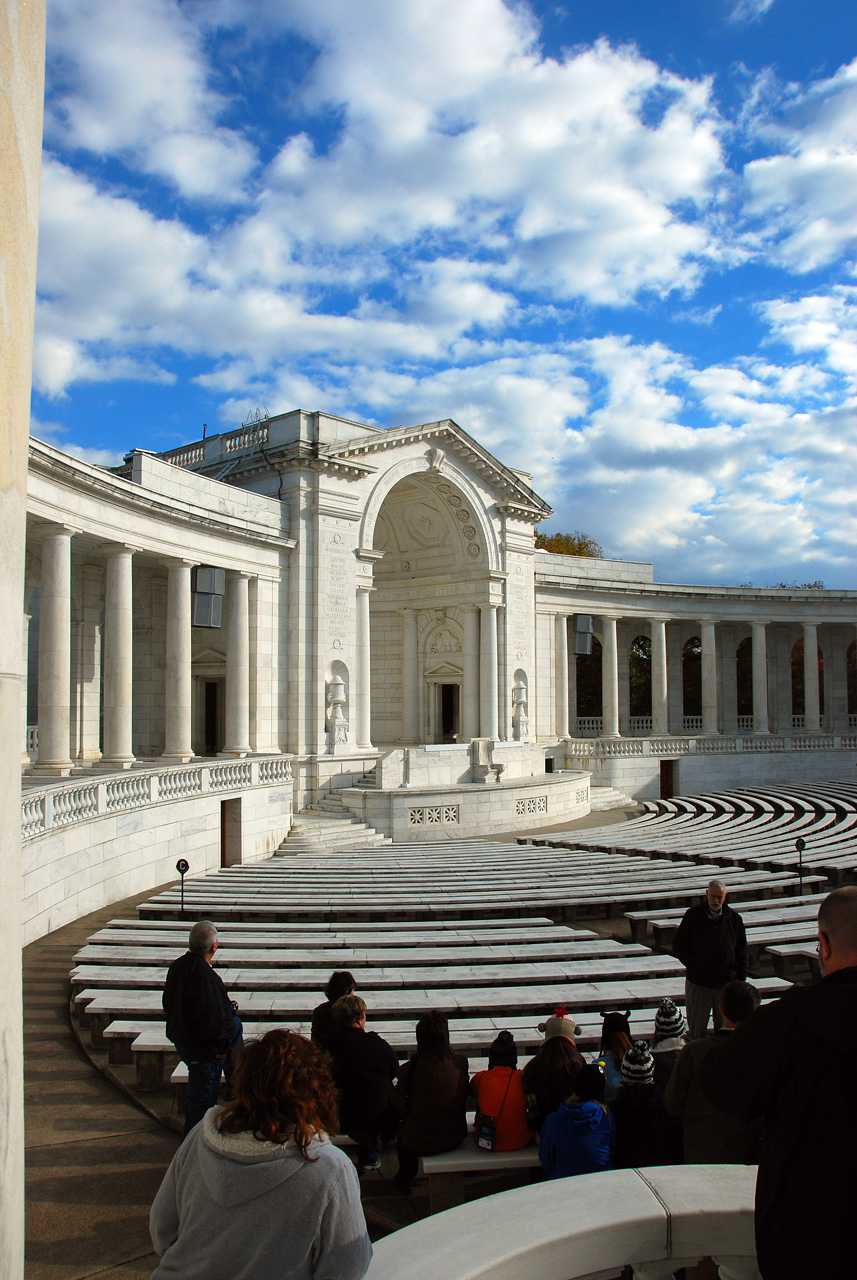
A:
503,1052
590,1083
283,1088
340,983
615,1022
669,1021
553,1071
739,1000
433,1035
561,1024
348,1011
202,939
716,895
638,1066
837,929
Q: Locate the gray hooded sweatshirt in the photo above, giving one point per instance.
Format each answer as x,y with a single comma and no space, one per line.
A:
233,1208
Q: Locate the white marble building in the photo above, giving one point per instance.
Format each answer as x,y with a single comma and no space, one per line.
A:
388,629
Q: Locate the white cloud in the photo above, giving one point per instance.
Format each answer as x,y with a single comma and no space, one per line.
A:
744,11
131,80
56,433
805,195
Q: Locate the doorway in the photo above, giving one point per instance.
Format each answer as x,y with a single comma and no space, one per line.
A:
668,779
208,714
230,833
448,700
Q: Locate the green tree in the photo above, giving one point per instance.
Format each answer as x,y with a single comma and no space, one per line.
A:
569,544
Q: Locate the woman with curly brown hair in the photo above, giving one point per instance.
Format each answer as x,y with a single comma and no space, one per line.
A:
258,1188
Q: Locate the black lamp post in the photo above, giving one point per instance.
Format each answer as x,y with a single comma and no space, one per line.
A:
182,867
800,845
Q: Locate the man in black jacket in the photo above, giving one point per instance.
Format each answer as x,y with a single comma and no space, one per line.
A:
364,1066
201,1021
712,945
792,1064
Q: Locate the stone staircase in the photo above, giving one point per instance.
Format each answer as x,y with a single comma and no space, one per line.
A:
328,827
601,798
369,778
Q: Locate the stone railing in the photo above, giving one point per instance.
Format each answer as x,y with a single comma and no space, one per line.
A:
716,744
666,1217
63,804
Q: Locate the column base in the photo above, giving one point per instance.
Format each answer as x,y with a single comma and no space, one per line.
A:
176,757
234,753
58,769
108,765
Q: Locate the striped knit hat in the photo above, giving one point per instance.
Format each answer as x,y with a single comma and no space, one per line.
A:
669,1020
638,1065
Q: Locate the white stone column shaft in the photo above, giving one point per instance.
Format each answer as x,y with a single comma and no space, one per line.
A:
760,678
363,713
410,677
55,653
237,719
811,710
609,679
709,677
561,667
177,676
118,657
660,691
488,700
25,641
22,91
470,709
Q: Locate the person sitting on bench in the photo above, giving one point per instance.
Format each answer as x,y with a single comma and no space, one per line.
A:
340,983
549,1077
431,1096
364,1067
501,1103
580,1136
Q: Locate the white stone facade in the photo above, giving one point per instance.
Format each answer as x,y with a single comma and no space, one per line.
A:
382,610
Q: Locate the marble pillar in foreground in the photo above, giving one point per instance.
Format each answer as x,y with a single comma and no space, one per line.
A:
22,87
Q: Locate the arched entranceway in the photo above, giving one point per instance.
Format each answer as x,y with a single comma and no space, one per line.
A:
429,630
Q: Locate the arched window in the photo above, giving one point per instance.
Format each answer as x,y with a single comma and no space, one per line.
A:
640,676
798,693
744,678
589,681
691,677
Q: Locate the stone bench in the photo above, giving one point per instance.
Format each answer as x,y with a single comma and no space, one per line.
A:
592,1226
641,921
786,956
446,1171
758,936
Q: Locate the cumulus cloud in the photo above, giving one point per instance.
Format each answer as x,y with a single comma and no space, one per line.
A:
56,433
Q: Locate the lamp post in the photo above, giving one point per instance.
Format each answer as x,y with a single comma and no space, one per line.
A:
800,845
182,867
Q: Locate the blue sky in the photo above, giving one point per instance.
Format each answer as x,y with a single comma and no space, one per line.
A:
616,241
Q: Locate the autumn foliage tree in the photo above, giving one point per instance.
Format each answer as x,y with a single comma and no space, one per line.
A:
569,544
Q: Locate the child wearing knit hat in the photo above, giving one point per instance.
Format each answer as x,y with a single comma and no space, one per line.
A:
645,1134
669,1040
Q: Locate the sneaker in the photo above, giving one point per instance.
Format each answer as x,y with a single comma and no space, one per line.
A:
370,1165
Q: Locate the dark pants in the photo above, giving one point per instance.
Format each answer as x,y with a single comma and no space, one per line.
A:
203,1077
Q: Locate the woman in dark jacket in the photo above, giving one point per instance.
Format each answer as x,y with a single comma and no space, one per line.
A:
431,1094
549,1077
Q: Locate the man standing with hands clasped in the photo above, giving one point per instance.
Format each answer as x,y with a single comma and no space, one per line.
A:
202,1021
792,1065
712,945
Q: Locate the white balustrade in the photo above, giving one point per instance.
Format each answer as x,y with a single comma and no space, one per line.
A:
852,724
815,743
691,724
33,739
589,725
63,805
669,746
745,724
711,746
641,726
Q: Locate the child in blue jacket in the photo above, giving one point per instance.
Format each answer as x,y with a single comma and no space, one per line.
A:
580,1137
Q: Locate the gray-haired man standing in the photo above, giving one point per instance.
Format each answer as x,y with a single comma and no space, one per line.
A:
712,945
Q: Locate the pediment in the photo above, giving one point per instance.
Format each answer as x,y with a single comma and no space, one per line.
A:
448,438
443,671
207,657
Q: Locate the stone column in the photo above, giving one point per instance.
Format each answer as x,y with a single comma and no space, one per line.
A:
177,675
55,654
561,667
470,710
410,677
118,658
811,717
237,719
22,92
363,711
760,678
660,692
488,702
609,679
709,677
25,640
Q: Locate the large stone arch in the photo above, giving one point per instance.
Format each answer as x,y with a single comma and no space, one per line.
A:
433,463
